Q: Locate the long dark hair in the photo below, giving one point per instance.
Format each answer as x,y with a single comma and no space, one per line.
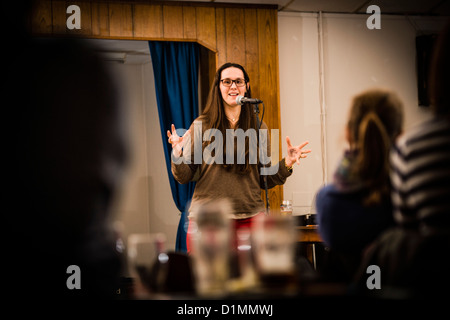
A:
213,115
376,120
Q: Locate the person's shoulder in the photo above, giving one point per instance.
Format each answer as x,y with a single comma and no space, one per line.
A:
327,196
426,128
329,211
330,197
422,132
327,190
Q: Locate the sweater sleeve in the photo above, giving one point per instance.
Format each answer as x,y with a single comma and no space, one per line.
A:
183,172
276,174
184,167
277,178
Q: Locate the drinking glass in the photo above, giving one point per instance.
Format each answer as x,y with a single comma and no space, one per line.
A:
210,253
144,250
274,247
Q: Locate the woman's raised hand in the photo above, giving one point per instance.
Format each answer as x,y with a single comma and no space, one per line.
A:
295,153
176,141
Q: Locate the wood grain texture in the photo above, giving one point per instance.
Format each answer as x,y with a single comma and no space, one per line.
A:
252,49
206,27
189,22
173,22
221,45
120,20
41,17
100,19
148,21
235,35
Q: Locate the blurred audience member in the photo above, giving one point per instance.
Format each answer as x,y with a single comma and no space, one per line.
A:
421,160
356,207
68,150
413,257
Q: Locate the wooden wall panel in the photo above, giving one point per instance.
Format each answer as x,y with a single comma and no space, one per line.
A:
99,19
268,81
221,38
173,22
235,36
206,27
41,17
251,49
59,17
246,34
268,65
148,21
120,20
86,21
190,28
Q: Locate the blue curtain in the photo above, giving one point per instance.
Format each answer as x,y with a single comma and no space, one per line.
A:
175,66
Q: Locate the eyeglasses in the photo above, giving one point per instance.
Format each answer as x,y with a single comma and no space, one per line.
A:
229,82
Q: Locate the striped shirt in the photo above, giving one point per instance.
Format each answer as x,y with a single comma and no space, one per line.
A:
421,176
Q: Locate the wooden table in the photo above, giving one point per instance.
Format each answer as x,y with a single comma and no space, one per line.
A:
309,235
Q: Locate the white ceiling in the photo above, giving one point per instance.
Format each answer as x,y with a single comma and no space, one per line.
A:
137,52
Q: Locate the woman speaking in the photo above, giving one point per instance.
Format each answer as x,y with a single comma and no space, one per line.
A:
237,177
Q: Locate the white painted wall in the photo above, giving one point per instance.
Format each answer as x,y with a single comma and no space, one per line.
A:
354,59
163,214
144,203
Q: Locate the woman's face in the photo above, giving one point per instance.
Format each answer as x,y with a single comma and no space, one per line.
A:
229,94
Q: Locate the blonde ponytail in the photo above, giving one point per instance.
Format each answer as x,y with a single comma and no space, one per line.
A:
372,163
375,121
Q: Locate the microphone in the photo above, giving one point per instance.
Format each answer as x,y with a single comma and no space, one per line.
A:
241,100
